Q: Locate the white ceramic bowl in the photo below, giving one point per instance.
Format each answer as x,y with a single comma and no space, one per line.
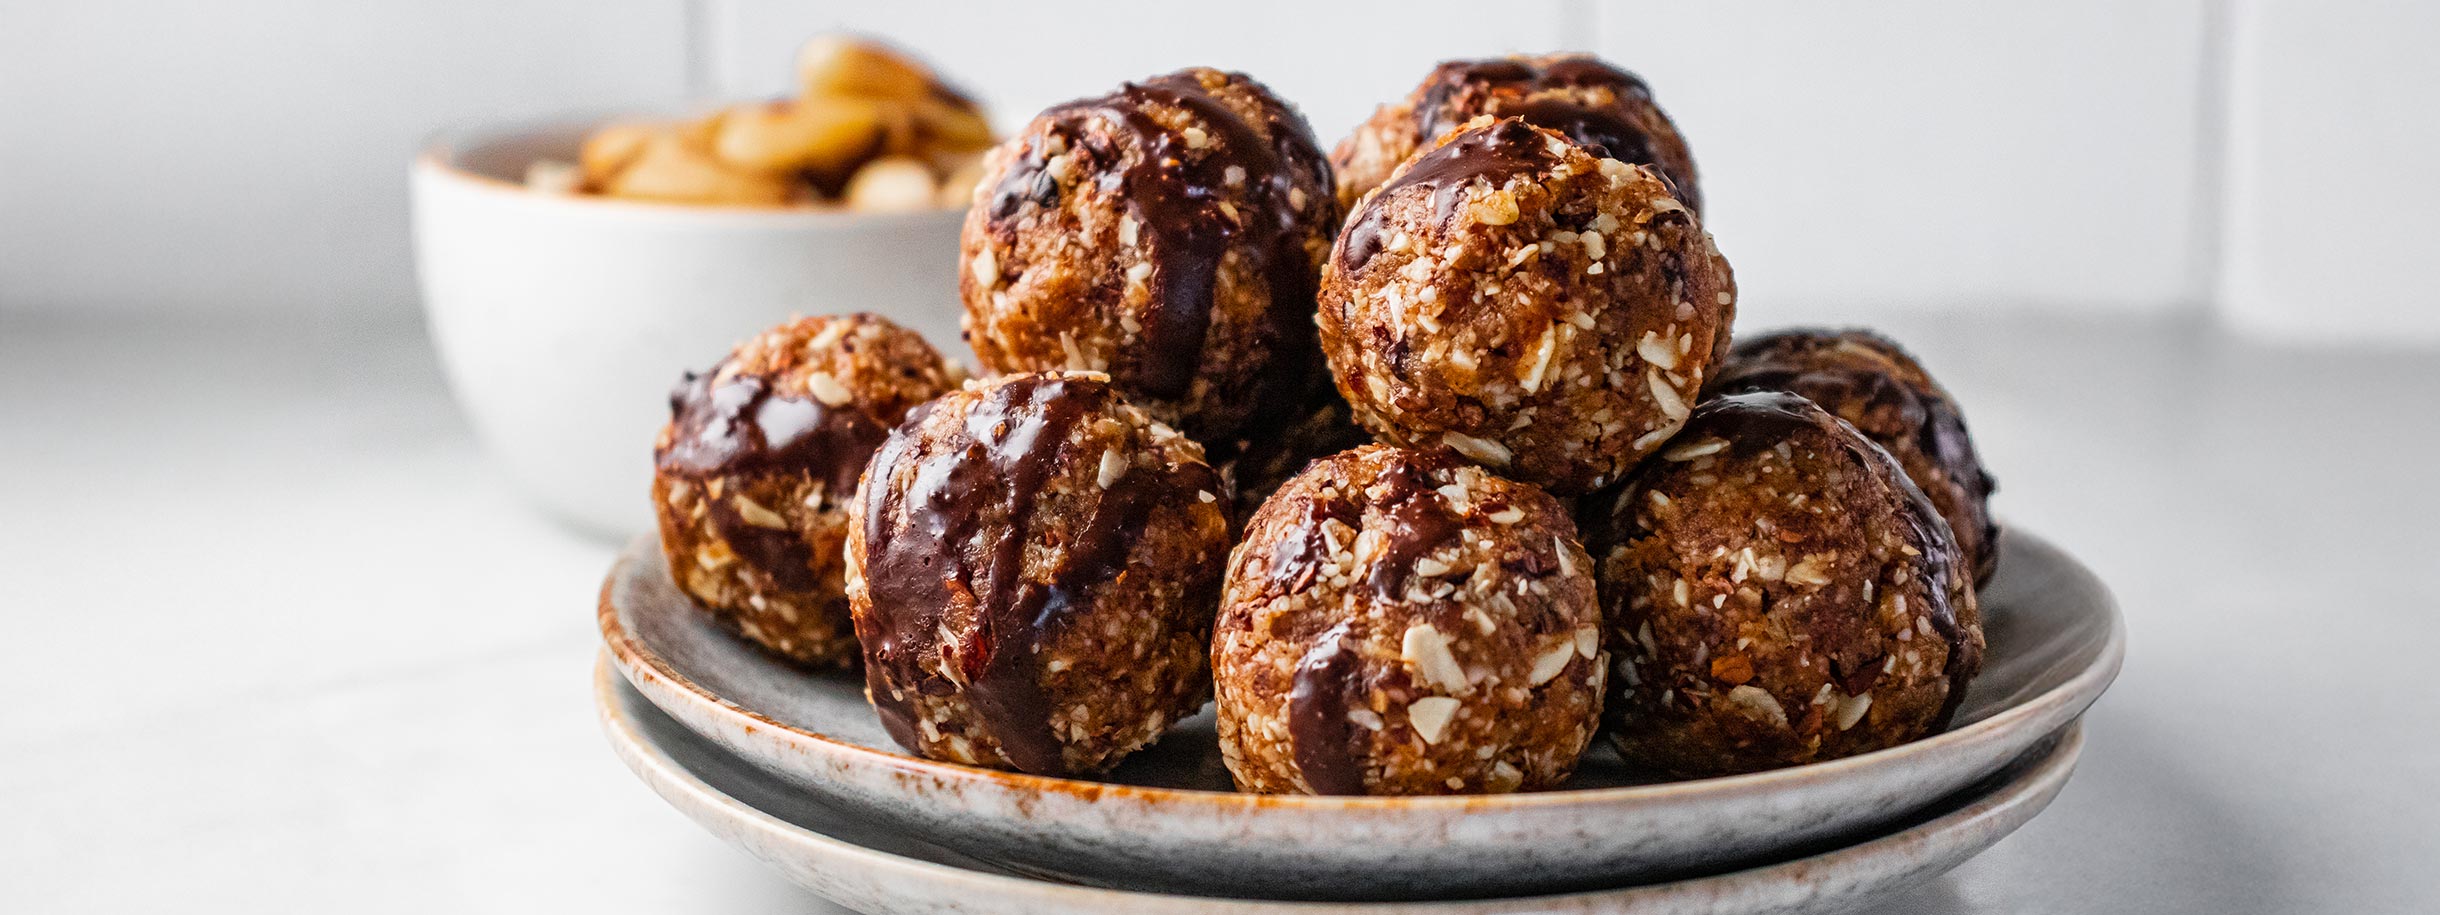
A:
563,321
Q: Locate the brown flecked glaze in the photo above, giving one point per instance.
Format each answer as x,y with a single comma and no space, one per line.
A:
752,474
1032,566
1169,233
1404,622
1777,593
1875,385
1606,109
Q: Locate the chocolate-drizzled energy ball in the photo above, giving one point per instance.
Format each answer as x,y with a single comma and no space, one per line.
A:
1607,110
1543,310
1872,383
1033,566
753,473
1777,593
1403,622
1168,233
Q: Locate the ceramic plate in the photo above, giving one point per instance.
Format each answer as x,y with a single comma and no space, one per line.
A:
1166,820
874,869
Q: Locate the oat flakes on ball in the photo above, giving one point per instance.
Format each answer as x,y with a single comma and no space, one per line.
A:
1405,622
1170,234
1777,593
752,475
1545,311
1033,565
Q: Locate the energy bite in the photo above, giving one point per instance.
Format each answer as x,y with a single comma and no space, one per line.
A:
1033,566
1873,384
1169,234
1601,107
1777,593
1403,622
1545,311
752,475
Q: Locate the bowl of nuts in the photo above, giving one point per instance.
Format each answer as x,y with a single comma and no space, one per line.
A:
573,267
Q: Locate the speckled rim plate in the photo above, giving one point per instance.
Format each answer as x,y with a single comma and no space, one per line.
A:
2056,643
871,869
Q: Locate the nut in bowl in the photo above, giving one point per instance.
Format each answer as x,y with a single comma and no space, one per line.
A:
562,317
872,131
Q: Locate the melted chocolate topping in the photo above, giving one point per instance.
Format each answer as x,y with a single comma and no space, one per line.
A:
1495,154
1296,558
1602,132
1322,738
1755,422
1508,89
1417,520
1938,567
743,426
936,571
1817,364
1176,191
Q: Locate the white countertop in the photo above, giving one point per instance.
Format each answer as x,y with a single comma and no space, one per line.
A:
276,639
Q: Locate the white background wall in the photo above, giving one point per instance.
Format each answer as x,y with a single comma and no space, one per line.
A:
2258,159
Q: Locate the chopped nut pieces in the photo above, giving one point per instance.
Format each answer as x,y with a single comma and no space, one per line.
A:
1872,383
1775,557
1471,302
1519,302
1600,106
1169,233
1385,631
753,473
1033,576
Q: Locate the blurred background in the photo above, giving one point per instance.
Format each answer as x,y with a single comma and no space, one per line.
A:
2260,163
278,632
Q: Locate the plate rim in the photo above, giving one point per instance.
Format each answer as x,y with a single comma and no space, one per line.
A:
2031,791
652,676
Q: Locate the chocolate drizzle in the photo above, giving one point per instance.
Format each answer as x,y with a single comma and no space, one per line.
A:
1322,738
1526,89
1890,390
946,585
1296,558
1603,132
1884,389
1494,154
1416,521
1532,90
1180,194
743,425
1938,567
1756,421
1508,86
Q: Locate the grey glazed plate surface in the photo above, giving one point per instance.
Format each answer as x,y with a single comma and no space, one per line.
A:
873,869
1166,820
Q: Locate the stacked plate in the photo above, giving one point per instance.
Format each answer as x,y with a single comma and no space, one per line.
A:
792,766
